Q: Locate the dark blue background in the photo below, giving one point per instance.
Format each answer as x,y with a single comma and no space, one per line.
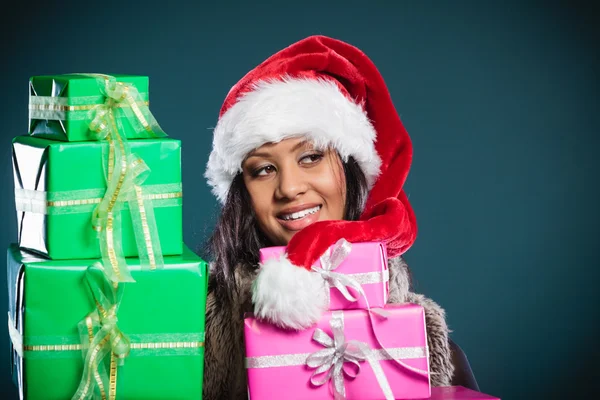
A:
501,102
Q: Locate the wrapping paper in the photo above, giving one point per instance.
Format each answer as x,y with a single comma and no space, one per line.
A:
276,358
59,184
162,315
60,106
366,263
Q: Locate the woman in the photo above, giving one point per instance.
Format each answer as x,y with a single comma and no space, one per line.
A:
308,149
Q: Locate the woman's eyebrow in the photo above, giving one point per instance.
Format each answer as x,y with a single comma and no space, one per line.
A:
258,154
299,145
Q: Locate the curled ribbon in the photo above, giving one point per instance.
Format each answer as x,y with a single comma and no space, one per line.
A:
125,174
330,361
100,336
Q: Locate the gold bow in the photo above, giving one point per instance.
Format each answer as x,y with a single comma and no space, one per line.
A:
125,174
100,336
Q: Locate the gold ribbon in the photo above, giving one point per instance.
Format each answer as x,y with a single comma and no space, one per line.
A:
126,172
155,347
84,201
168,345
101,336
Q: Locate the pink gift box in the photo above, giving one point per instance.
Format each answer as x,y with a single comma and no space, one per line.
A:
457,393
276,358
366,263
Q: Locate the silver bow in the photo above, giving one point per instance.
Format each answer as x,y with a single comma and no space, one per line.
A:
332,259
330,361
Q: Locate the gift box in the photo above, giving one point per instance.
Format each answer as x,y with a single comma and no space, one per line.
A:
457,393
58,185
161,315
287,364
62,106
365,263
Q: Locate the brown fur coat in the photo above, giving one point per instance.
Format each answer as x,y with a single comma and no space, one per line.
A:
224,372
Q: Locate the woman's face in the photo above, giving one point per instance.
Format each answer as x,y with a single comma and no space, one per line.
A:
292,185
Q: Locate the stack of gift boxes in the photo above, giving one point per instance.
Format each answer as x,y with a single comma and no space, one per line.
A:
105,298
362,348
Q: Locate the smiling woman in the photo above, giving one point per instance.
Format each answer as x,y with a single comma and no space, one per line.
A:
308,149
291,185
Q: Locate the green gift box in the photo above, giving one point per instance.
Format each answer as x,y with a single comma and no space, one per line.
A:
59,184
60,106
162,314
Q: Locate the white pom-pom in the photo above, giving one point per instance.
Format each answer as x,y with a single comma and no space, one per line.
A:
287,295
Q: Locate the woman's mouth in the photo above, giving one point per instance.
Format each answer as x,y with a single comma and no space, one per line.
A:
298,220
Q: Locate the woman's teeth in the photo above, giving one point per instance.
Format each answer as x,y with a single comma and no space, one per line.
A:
300,214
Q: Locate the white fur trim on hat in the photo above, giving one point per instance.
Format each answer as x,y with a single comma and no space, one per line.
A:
288,296
279,109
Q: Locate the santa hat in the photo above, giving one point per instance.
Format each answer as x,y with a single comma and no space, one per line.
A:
332,93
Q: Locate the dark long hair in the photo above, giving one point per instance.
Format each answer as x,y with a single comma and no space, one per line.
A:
237,239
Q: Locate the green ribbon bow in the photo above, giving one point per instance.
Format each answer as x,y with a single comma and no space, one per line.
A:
125,174
135,109
100,336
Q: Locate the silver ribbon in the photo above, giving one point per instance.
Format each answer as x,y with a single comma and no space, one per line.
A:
296,359
330,361
15,336
67,108
332,259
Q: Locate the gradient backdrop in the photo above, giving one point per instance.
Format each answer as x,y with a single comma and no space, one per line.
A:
501,102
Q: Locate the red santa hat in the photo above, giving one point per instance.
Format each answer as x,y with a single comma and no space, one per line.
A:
332,93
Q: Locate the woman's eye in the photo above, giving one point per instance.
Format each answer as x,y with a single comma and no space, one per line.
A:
266,170
311,158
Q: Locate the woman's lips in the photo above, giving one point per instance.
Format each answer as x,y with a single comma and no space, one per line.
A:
300,223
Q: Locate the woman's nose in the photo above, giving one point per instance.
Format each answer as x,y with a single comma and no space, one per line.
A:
292,183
